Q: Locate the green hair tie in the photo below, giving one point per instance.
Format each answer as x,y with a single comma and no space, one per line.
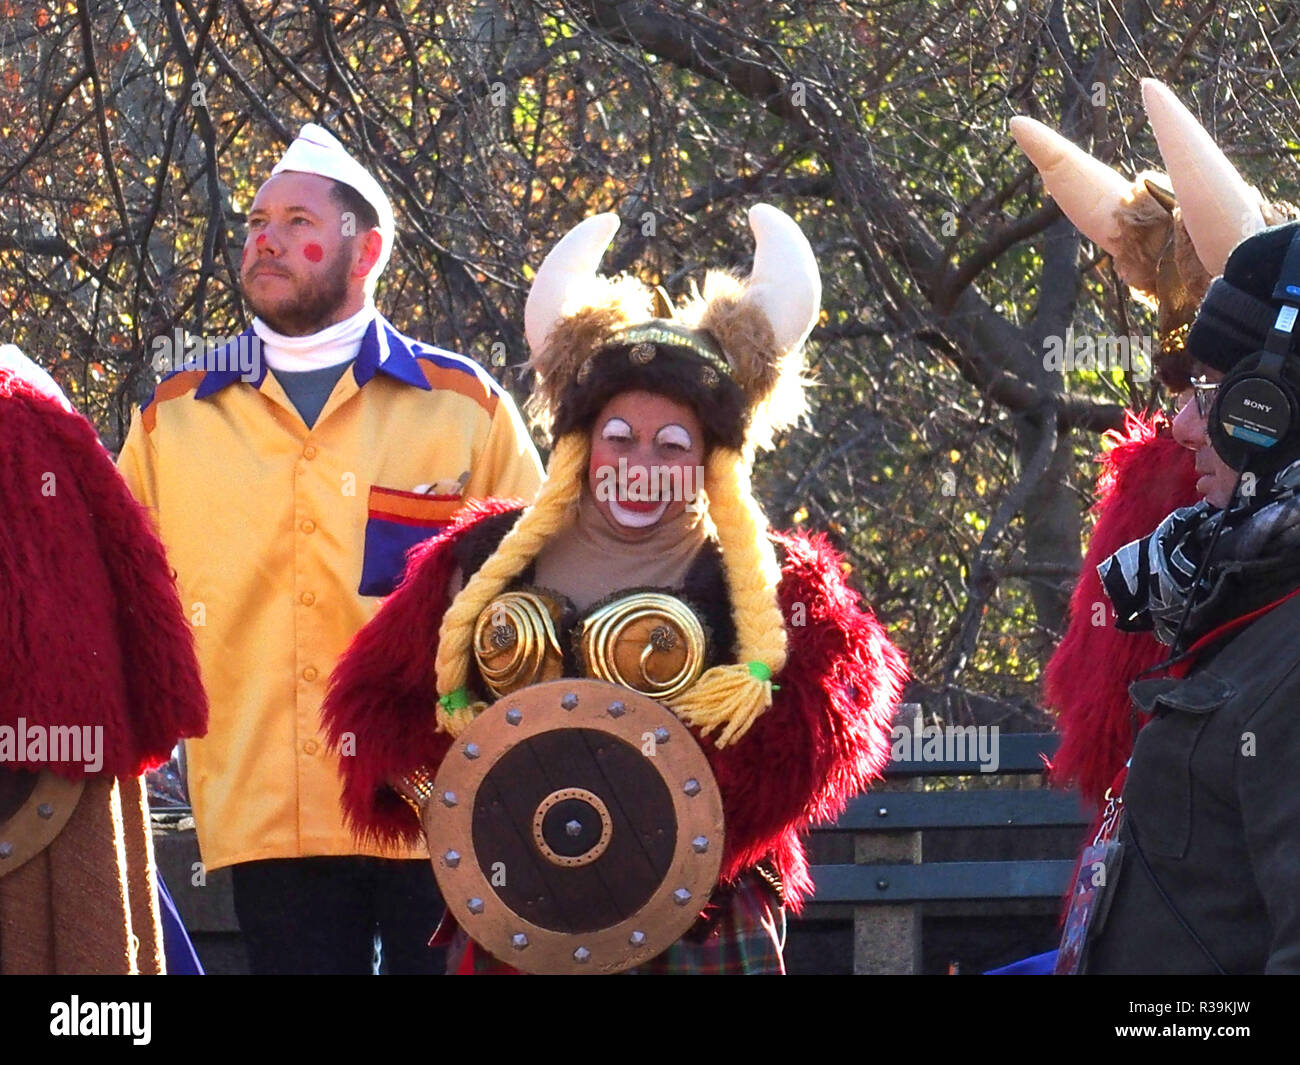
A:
761,672
454,700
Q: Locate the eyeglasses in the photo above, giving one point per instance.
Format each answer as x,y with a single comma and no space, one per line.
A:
1203,392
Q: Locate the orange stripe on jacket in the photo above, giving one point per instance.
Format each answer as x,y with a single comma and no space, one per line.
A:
459,381
176,385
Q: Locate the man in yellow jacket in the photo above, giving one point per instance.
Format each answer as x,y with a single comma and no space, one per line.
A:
288,471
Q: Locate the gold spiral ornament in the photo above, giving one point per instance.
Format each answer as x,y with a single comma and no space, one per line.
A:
515,643
648,641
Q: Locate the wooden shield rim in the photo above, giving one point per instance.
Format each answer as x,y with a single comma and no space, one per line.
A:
26,831
661,920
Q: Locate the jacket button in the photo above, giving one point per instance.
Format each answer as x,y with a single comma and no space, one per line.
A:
309,452
310,747
307,598
309,673
308,526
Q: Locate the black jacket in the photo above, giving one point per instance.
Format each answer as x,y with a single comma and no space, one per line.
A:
1212,815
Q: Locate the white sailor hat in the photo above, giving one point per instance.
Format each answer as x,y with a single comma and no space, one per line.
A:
317,151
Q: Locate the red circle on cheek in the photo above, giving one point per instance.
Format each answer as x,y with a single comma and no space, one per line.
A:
261,239
313,252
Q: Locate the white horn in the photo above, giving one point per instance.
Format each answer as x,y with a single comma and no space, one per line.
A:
565,273
1086,189
785,283
1219,209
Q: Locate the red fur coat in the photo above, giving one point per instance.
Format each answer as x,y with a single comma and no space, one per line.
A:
1146,476
91,627
826,736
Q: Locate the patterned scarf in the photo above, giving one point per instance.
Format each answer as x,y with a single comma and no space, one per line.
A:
1150,580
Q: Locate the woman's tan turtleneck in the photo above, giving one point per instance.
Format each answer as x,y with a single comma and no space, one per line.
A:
587,560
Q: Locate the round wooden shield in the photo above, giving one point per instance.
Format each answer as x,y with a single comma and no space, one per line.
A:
575,827
34,807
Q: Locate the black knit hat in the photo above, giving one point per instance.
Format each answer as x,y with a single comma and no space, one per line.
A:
1238,311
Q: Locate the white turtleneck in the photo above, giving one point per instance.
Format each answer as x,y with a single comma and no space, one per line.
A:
330,346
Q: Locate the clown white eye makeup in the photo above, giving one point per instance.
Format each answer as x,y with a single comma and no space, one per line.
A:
616,429
674,436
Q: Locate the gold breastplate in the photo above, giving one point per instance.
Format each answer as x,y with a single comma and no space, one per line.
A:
515,643
651,642
647,641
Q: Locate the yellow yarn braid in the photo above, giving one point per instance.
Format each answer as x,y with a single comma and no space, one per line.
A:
732,697
565,475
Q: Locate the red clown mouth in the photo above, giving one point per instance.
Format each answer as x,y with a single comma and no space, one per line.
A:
639,506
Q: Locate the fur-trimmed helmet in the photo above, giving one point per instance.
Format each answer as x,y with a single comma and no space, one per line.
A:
733,352
1167,235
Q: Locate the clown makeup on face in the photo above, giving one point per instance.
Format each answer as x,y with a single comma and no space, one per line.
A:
647,454
299,272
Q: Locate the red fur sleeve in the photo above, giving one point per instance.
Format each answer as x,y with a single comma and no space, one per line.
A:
827,734
165,699
1146,476
379,711
91,627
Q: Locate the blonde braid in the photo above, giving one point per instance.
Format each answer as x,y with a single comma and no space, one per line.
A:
565,474
733,696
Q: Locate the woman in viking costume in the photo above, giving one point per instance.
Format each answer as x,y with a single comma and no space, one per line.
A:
753,639
1167,237
98,681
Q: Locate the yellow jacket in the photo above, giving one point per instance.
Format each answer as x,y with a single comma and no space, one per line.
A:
284,540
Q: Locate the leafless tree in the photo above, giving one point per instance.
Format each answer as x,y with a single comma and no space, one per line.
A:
942,454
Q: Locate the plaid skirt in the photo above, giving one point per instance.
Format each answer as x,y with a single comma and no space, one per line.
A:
741,932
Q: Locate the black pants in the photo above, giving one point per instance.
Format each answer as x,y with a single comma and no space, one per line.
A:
329,915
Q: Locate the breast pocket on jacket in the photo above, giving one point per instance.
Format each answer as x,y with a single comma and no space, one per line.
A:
1158,788
395,522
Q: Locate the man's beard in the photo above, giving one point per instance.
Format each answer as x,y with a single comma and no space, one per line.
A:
314,304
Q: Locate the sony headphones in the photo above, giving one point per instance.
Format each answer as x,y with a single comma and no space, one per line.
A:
1255,421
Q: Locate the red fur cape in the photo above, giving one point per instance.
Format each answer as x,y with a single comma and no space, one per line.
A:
91,628
826,736
1146,476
